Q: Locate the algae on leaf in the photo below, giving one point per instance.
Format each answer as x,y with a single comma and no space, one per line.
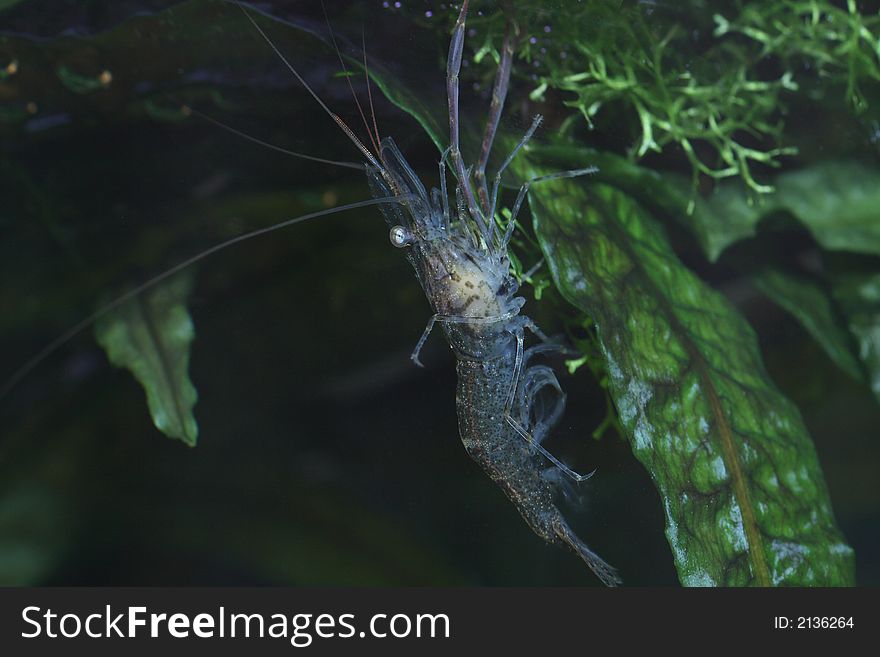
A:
150,335
743,493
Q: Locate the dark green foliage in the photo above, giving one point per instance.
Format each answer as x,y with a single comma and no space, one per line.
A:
859,296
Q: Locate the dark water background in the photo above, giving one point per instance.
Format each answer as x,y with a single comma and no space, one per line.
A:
324,456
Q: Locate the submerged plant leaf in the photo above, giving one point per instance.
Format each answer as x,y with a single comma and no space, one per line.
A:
812,306
150,335
859,296
83,84
744,496
836,201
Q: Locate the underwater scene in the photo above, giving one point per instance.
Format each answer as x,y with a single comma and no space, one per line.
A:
652,353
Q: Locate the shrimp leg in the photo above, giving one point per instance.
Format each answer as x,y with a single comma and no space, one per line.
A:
453,68
499,93
548,378
520,197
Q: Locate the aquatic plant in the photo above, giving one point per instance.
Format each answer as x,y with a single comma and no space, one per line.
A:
721,100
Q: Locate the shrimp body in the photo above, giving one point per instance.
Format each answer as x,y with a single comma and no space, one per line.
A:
466,278
460,259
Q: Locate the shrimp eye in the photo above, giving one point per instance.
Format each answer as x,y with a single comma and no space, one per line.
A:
400,237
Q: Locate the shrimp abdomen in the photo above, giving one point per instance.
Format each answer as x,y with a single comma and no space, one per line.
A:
483,387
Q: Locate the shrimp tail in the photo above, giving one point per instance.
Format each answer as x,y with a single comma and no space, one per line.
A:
605,572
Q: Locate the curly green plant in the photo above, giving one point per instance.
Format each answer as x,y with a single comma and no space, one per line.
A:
718,93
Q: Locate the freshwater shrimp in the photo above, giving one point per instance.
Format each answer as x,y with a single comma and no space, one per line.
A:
460,259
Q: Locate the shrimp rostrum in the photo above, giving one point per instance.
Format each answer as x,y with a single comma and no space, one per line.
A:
459,255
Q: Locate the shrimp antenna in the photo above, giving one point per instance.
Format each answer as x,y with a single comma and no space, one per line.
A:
357,142
347,77
82,325
369,86
210,119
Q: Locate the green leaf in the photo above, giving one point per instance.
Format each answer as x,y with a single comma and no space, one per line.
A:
150,335
836,201
82,84
859,296
813,307
744,496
